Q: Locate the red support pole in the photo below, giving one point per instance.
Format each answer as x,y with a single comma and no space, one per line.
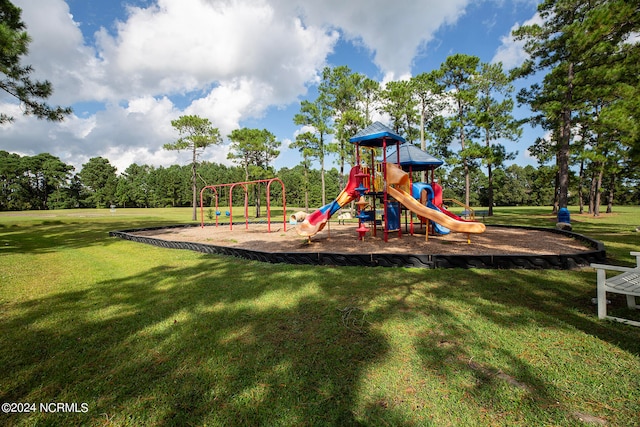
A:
216,212
385,198
398,163
372,185
411,191
212,187
284,204
246,207
269,207
201,209
231,207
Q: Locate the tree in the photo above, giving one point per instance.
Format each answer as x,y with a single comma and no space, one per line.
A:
45,174
254,150
428,94
582,45
494,119
441,138
512,186
456,184
309,146
341,89
70,196
458,77
172,186
549,48
196,134
34,182
15,79
608,104
317,115
398,101
369,96
99,176
133,186
10,172
294,182
611,70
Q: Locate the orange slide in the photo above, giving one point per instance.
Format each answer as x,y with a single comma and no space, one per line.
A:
396,176
419,209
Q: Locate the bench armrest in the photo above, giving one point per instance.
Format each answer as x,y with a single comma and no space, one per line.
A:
614,267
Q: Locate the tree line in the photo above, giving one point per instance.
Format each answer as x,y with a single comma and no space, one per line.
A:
45,182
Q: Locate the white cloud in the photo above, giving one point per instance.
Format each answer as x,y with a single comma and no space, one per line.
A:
135,131
511,52
394,32
58,53
304,129
286,143
226,60
232,101
238,57
182,45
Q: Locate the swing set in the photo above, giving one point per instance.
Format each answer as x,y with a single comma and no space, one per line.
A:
245,185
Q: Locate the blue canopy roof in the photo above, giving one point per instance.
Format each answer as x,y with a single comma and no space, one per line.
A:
374,135
412,156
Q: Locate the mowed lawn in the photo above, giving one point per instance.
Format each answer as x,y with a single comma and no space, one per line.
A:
108,332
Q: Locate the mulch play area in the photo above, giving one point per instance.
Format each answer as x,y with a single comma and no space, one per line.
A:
341,238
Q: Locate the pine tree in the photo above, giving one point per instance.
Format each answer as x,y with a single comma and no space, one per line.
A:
494,119
15,78
196,134
457,77
583,46
317,116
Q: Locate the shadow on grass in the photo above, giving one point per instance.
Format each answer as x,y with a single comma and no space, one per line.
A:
52,235
506,348
226,341
173,347
513,298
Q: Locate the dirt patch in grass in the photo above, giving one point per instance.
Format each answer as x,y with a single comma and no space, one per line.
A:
340,238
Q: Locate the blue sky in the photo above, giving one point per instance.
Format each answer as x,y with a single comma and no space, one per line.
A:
130,67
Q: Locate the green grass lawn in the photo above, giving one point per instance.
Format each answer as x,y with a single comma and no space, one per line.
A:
150,336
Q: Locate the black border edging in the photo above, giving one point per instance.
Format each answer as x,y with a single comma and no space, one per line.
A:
530,262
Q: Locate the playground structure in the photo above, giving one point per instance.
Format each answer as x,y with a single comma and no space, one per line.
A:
386,187
390,184
245,186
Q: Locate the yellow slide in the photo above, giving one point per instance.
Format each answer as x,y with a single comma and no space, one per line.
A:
419,209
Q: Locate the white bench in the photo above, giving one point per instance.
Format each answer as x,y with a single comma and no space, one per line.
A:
626,283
